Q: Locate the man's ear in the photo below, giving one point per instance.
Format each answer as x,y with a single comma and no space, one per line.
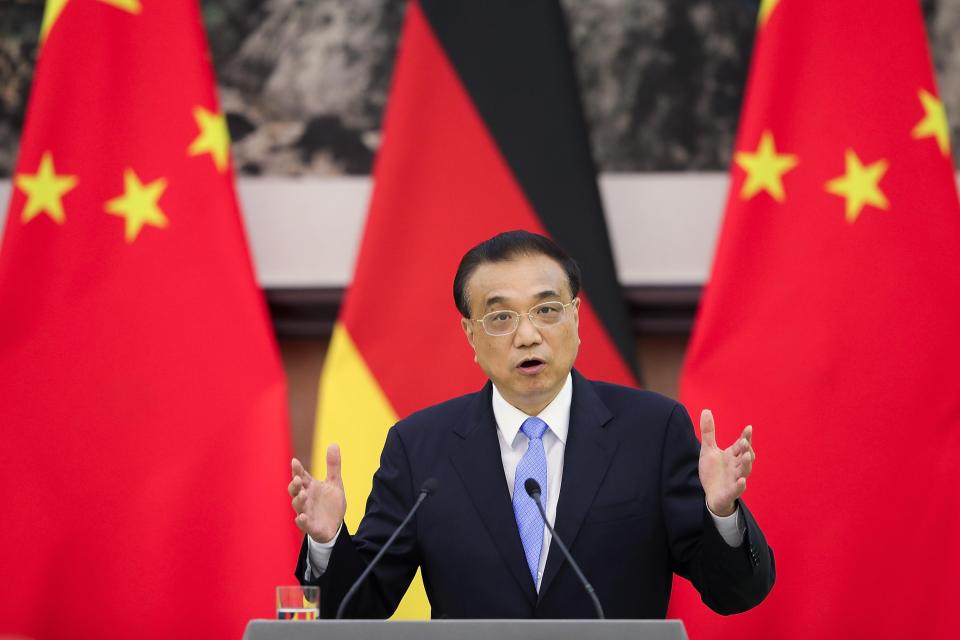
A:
576,318
467,325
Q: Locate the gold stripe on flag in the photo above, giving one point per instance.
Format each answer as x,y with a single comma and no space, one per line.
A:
354,413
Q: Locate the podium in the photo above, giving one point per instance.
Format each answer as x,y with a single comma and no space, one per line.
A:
465,630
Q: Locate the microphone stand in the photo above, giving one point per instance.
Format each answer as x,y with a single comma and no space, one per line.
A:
533,490
425,490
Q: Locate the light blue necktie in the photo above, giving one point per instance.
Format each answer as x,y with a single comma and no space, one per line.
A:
532,465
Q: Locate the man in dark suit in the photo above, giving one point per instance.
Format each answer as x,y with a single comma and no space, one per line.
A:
625,482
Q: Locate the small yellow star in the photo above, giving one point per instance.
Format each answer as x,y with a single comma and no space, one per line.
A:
860,185
138,204
133,6
766,8
934,123
55,7
765,169
214,137
51,12
44,190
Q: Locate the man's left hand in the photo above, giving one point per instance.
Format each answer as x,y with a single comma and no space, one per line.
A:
724,472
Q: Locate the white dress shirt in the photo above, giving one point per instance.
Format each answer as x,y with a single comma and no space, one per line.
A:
513,444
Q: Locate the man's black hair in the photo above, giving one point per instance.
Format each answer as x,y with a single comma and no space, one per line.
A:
507,246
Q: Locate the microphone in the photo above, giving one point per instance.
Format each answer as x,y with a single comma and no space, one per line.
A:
533,490
429,486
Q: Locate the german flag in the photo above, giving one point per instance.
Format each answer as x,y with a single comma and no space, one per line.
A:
484,132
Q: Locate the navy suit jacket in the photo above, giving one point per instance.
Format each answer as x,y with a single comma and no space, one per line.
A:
631,510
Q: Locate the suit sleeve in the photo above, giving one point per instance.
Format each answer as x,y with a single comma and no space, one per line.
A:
390,499
729,579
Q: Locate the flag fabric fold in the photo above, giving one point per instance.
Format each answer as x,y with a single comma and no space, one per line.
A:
483,133
830,323
144,412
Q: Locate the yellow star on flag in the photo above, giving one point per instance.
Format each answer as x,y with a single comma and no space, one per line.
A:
214,137
45,190
934,123
55,7
133,6
860,185
766,8
765,169
138,204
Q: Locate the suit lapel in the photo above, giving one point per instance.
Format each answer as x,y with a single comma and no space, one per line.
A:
587,455
476,457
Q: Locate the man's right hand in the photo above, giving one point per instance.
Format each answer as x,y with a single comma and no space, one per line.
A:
319,504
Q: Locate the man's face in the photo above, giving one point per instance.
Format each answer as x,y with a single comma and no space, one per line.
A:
530,365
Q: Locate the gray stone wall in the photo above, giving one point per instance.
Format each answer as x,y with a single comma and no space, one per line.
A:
304,82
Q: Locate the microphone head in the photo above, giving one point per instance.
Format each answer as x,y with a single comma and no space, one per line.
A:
532,487
429,486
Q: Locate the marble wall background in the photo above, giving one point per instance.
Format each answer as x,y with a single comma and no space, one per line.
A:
304,82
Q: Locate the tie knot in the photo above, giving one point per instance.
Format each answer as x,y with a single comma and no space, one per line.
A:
533,428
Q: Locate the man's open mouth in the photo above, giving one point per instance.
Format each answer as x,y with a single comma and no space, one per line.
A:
531,365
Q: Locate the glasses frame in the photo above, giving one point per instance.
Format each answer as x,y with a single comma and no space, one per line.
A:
529,313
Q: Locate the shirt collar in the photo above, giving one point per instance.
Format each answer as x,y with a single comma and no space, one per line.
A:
556,414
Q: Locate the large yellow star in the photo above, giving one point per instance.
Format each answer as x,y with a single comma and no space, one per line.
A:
55,7
934,123
765,169
44,190
766,8
214,138
860,185
138,204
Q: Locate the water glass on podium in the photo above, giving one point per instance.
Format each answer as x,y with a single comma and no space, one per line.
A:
298,603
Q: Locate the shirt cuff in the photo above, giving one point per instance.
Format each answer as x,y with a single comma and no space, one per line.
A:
731,528
318,555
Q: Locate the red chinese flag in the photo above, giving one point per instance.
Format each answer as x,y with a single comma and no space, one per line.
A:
831,323
145,437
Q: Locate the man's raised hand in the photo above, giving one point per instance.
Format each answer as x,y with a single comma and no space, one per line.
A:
724,472
319,504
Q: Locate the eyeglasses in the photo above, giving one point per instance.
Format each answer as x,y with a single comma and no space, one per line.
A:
543,315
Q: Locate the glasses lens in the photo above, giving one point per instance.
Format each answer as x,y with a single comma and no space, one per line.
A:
546,314
500,323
